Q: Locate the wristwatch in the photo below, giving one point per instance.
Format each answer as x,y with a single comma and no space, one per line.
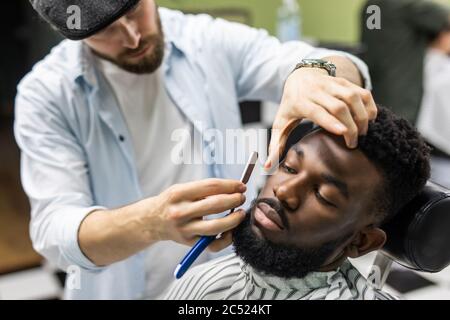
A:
318,63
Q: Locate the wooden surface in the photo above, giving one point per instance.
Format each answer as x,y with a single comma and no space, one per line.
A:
16,252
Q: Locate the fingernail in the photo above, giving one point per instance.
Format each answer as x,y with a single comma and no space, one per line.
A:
242,188
268,165
354,144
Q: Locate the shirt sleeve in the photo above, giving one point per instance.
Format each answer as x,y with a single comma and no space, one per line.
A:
54,175
426,16
261,64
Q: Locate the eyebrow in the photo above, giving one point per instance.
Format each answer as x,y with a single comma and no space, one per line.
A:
340,185
328,178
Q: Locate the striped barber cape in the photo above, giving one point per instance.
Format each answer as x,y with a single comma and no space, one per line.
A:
229,278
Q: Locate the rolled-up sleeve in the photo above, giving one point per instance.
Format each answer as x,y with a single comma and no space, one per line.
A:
261,64
54,175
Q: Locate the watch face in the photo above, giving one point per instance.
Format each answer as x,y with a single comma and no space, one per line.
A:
314,61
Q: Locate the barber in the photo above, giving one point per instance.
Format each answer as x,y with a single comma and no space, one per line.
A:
408,28
94,121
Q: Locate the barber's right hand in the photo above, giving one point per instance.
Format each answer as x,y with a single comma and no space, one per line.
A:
179,211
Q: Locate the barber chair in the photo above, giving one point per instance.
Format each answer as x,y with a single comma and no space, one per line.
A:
418,237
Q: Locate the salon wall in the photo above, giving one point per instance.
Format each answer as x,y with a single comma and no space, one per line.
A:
334,21
323,20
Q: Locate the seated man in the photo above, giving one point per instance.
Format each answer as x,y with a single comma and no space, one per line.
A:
325,203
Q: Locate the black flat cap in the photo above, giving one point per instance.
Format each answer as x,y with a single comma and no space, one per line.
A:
79,19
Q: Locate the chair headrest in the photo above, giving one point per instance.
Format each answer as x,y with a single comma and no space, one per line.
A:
418,237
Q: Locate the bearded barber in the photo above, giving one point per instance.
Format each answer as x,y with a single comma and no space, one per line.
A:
94,121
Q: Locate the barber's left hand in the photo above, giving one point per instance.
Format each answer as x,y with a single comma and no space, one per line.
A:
335,104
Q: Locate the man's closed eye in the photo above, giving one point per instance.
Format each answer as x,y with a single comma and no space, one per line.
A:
322,200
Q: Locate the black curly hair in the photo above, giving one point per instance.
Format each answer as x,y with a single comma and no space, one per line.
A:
402,157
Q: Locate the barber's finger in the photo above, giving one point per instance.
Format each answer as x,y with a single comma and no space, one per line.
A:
215,226
339,110
321,117
197,190
369,103
366,98
221,243
347,106
352,104
359,113
280,133
212,205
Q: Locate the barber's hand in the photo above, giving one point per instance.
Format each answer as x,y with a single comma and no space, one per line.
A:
335,104
181,208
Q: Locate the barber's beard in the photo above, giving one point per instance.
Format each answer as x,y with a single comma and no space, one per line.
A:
276,259
150,62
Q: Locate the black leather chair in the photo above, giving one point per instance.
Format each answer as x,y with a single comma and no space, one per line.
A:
418,237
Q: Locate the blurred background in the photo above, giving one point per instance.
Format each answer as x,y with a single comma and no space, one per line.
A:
26,40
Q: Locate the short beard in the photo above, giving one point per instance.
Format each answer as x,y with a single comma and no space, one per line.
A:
279,260
148,64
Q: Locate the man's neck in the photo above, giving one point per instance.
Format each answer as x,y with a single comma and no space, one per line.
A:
334,264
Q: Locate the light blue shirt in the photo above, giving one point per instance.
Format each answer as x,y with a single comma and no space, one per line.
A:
77,153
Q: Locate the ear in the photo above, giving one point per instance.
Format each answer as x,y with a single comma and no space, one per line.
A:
367,240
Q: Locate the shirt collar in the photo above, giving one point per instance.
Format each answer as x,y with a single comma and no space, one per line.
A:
87,65
314,280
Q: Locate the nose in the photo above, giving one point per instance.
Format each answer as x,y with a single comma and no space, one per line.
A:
130,33
289,192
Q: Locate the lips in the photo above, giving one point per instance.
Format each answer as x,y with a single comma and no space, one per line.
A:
141,52
267,217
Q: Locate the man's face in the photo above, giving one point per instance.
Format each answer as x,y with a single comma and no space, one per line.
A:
311,208
135,42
